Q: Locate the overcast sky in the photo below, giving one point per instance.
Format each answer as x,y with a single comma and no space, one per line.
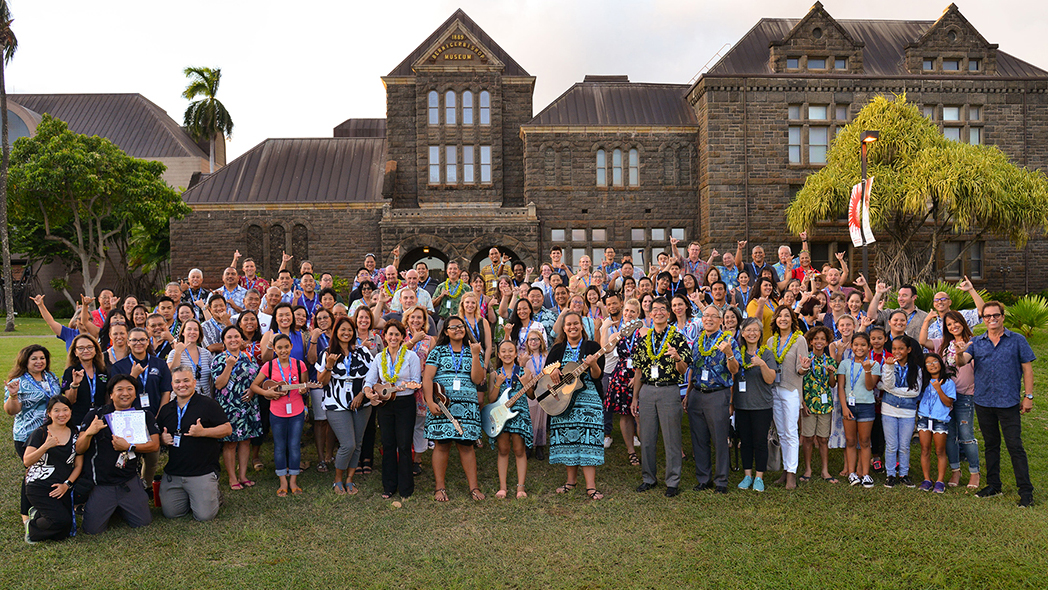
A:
298,69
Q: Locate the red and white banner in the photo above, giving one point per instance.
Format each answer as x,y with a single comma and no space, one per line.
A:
859,215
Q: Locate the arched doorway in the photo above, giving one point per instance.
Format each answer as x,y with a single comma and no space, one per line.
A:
480,259
435,260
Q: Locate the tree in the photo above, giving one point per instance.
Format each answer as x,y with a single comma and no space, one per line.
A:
8,45
82,193
928,190
206,117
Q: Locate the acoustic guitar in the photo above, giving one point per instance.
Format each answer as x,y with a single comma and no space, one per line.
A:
494,416
385,392
440,397
555,397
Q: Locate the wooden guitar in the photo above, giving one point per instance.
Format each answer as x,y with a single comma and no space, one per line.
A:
440,397
385,392
493,417
282,387
555,397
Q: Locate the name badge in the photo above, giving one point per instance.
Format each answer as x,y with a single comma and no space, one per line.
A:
629,363
825,399
705,375
684,390
742,387
654,371
494,284
456,384
143,400
447,304
778,376
930,424
851,400
176,440
287,408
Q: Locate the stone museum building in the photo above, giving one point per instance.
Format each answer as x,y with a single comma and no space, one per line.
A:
462,162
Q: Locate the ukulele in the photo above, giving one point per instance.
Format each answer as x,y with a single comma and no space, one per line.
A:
440,397
387,391
556,397
282,387
494,416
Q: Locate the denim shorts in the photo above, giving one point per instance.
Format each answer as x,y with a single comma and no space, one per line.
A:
931,425
864,412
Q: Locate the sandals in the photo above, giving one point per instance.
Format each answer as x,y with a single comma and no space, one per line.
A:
247,483
831,479
387,495
476,494
339,487
351,488
633,459
365,467
567,487
804,478
282,492
258,465
594,494
440,495
520,491
236,486
296,490
322,467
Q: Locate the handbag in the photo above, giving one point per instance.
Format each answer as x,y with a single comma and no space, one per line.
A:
774,449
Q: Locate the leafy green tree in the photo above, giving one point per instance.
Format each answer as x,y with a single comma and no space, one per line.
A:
72,196
8,46
206,117
928,190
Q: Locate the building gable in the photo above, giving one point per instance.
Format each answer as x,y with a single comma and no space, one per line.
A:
479,40
457,49
951,41
814,44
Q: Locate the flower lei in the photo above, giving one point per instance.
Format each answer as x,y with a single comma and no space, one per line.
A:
784,350
386,375
662,347
759,352
707,352
458,290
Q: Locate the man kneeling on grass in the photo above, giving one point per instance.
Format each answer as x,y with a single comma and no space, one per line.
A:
192,428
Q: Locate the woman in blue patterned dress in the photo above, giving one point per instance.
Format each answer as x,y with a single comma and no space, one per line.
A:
576,437
516,434
456,365
234,370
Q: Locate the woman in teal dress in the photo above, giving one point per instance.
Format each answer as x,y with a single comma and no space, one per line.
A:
516,433
455,364
576,437
234,370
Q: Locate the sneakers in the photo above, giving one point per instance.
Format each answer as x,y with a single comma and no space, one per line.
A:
905,480
32,515
853,479
758,485
746,482
987,492
940,488
926,486
890,482
636,442
607,442
1025,501
878,466
867,481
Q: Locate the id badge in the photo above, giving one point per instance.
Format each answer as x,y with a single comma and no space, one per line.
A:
456,384
447,305
705,375
684,390
742,387
930,424
851,400
287,408
176,440
654,371
494,284
825,399
629,363
143,400
778,376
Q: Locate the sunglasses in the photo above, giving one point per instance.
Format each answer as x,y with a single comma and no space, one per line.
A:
992,316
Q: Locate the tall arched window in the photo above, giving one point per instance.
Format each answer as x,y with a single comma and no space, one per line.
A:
616,167
467,108
634,178
434,108
550,167
449,108
565,167
602,168
254,240
485,107
300,242
277,247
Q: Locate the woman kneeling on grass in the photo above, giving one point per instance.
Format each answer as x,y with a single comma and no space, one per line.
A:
516,434
933,413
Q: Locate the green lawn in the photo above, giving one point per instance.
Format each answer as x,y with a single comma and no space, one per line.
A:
817,536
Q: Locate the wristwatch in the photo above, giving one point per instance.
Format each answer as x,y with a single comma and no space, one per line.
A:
1029,396
68,483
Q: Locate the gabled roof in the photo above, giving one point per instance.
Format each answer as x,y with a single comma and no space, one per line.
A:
512,67
883,55
321,170
361,128
131,121
614,101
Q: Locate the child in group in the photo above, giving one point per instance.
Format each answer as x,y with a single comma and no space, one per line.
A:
516,434
902,385
878,338
817,411
840,349
933,415
856,379
288,412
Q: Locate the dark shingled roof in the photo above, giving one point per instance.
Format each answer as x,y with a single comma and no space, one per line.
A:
131,121
512,67
361,128
613,101
322,170
883,55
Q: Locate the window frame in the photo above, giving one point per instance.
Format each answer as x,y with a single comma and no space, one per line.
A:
433,108
467,107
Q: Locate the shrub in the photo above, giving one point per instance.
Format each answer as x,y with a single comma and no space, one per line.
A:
1006,297
62,309
1028,314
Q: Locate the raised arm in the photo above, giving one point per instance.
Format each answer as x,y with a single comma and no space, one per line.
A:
739,264
48,318
966,286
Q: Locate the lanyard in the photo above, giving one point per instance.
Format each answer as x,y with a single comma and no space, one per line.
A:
674,287
180,412
198,295
309,304
227,294
573,353
523,336
145,374
854,376
196,365
426,284
901,372
91,384
47,391
509,379
283,377
631,341
535,366
473,328
461,356
782,345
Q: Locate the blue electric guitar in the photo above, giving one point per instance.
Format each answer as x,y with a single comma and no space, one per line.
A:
493,417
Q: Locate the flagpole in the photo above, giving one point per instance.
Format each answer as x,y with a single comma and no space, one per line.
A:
866,138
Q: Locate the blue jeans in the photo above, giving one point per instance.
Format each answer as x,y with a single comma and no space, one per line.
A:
897,435
287,442
961,434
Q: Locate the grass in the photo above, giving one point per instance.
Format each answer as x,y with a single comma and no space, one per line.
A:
817,536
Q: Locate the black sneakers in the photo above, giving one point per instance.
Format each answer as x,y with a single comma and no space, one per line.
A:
905,480
1025,501
890,482
645,486
987,492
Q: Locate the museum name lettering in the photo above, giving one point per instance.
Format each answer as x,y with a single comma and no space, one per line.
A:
457,44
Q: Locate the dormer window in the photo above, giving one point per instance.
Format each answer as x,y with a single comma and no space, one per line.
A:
951,65
841,63
816,63
793,63
973,65
929,65
816,33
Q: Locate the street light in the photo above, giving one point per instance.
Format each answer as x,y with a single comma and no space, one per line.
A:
865,138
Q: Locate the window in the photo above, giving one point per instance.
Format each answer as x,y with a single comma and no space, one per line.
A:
842,113
557,235
449,108
952,133
840,63
951,65
576,255
677,233
795,111
817,112
602,168
811,129
434,108
793,63
638,257
638,234
616,167
975,136
485,164
818,143
928,111
485,107
434,164
467,164
578,235
975,261
451,165
816,63
974,113
929,65
795,145
957,128
600,234
951,250
951,113
973,65
467,108
634,167
658,234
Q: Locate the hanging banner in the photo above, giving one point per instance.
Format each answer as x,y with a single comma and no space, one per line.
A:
859,215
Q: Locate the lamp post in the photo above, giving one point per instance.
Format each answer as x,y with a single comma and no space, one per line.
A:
865,139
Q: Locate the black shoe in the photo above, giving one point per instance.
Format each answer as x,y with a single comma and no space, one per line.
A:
1024,501
416,469
721,490
645,486
540,453
703,486
987,492
890,482
905,480
671,492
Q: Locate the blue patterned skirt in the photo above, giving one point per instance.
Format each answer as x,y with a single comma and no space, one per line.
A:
576,437
463,407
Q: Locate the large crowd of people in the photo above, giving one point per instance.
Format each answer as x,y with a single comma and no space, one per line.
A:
771,360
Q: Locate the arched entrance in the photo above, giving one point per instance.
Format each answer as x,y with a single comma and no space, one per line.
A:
435,259
480,259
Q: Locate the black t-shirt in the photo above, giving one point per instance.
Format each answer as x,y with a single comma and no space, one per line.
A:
84,402
102,456
157,380
57,463
194,455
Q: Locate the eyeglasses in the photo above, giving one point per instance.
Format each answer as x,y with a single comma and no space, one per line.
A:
941,299
456,327
992,316
138,340
85,348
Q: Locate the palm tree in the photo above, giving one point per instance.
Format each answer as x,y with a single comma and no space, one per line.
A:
206,117
8,46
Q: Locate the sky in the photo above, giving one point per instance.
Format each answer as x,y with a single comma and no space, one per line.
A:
298,69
